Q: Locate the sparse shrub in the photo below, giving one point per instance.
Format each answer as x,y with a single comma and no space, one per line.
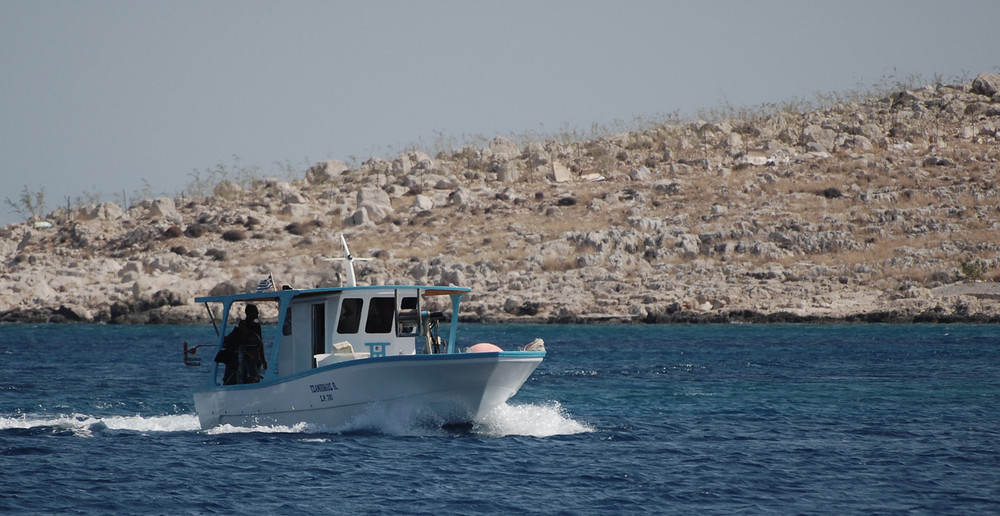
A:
195,230
974,269
29,204
832,193
179,250
234,235
529,308
204,183
297,228
218,255
566,201
172,232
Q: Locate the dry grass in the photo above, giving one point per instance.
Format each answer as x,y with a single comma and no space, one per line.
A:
558,263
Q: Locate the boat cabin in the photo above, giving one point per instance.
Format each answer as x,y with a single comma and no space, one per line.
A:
321,327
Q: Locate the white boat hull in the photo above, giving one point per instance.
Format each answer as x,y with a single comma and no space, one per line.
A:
452,388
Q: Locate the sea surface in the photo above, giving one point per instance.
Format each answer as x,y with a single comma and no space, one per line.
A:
672,419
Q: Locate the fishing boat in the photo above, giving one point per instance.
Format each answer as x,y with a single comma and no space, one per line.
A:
339,353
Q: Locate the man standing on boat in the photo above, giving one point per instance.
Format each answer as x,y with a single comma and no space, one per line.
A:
251,350
243,351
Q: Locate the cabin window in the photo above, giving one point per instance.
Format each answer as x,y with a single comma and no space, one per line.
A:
350,316
380,315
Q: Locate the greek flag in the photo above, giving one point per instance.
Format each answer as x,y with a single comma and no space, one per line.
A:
266,284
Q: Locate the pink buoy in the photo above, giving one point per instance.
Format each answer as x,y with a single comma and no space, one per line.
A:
484,347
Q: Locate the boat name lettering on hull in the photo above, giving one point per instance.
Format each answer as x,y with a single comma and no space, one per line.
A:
323,387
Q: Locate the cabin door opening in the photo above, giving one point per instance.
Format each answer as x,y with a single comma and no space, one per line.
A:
318,330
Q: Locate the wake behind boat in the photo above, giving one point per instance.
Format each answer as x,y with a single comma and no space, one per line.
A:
338,353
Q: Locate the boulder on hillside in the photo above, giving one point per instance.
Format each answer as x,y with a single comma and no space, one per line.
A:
360,217
987,84
561,173
376,202
501,149
163,207
104,211
228,190
818,135
508,172
401,165
423,203
640,174
537,155
325,171
421,160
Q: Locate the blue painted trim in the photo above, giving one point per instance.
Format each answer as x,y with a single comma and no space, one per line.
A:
372,353
279,294
453,329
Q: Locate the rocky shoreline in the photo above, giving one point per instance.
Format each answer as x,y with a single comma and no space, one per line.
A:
882,210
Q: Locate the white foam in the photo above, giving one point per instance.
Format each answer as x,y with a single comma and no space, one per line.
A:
87,425
536,420
267,429
393,419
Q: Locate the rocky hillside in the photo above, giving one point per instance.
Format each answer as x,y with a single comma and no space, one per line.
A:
885,209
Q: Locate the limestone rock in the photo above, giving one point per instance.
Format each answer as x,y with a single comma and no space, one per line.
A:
294,198
228,190
640,174
422,203
375,202
501,149
163,207
815,134
508,172
986,84
560,173
108,211
295,211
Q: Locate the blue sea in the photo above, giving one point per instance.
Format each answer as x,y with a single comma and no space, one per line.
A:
669,419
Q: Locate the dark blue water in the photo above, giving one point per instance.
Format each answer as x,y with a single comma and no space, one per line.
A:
719,419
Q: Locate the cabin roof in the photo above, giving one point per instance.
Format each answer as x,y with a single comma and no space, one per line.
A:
426,290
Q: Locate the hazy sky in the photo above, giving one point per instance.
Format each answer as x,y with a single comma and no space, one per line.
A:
97,97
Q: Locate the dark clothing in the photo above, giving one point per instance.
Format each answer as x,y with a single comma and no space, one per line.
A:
230,358
243,354
251,352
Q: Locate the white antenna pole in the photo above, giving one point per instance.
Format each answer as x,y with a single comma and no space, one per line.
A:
349,263
348,260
